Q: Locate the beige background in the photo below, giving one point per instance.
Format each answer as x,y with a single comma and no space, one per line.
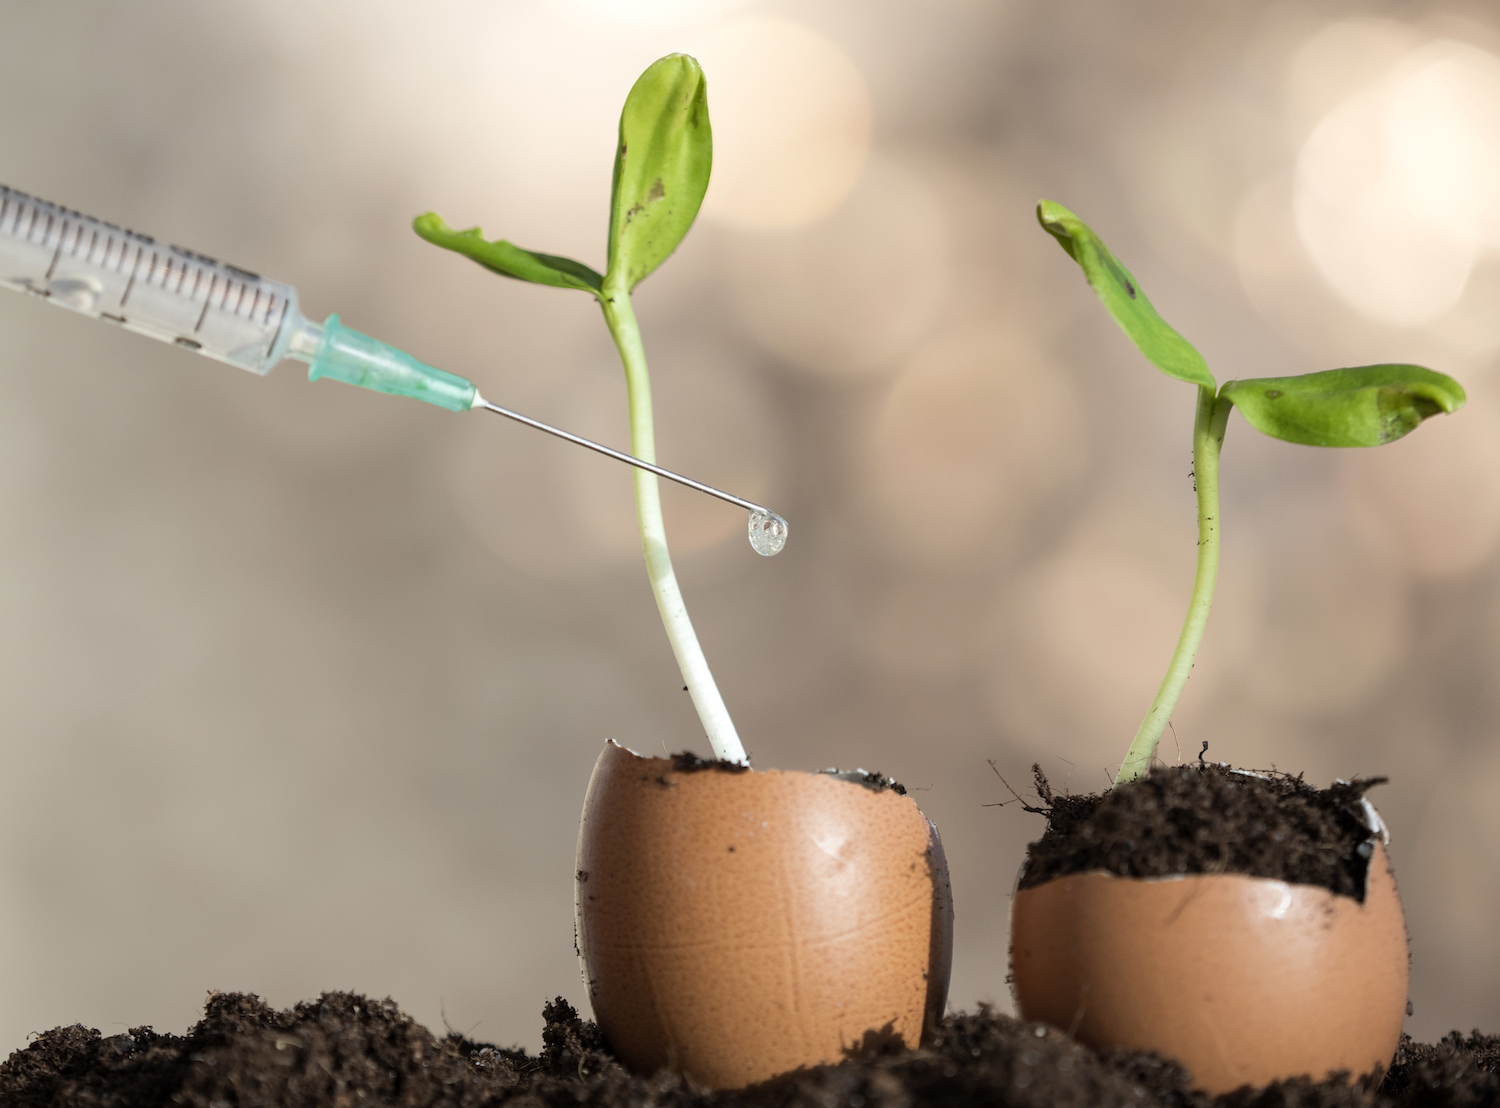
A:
300,686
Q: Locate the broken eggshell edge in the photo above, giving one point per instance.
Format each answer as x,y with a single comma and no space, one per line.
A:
734,924
1245,980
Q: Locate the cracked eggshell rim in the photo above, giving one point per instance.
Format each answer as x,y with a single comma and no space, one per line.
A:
1245,980
737,925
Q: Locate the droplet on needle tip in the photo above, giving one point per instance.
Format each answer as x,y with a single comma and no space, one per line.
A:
767,533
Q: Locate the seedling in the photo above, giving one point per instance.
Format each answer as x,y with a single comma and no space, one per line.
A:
1361,406
661,172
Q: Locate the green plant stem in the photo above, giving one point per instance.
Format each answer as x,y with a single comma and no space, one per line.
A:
1208,438
620,316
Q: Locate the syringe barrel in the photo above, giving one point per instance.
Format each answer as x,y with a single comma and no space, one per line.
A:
158,290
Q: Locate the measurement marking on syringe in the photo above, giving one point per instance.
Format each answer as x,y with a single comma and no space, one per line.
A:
109,249
95,267
207,300
76,231
134,269
56,253
193,255
280,323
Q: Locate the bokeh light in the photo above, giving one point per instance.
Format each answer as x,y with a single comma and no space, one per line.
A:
965,443
1458,844
1102,613
791,122
663,13
1396,188
1336,607
920,627
853,294
1437,490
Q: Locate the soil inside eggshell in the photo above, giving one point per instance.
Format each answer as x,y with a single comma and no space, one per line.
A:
1207,818
346,1049
687,762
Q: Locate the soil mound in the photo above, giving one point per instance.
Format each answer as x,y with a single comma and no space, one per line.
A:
1207,818
344,1049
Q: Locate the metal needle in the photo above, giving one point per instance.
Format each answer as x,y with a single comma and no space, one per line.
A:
620,456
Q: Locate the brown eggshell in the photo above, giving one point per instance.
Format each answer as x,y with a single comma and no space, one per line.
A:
734,926
1245,980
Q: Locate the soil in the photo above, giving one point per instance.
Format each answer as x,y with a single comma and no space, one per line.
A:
344,1049
1207,818
688,762
870,779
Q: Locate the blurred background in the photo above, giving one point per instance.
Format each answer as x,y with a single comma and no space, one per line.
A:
300,686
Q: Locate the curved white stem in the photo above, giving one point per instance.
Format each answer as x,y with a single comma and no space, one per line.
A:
722,736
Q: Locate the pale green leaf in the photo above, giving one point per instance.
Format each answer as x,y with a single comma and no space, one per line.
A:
508,260
1361,406
661,168
1121,294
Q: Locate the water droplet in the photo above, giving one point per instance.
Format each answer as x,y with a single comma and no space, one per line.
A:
767,532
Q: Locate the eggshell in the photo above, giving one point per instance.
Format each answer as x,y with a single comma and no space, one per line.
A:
734,926
1245,980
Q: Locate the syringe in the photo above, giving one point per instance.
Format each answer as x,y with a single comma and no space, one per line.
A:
243,319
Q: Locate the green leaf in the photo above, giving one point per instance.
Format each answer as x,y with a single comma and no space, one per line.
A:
1367,405
507,260
661,168
1122,295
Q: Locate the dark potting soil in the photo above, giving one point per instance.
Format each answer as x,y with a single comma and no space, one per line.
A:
1207,818
345,1050
688,762
876,782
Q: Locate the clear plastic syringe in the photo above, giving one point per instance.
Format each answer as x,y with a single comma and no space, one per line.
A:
243,319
